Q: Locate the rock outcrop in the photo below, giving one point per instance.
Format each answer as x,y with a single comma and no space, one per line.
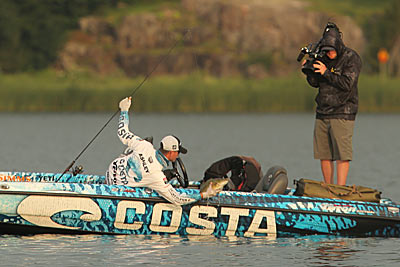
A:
252,38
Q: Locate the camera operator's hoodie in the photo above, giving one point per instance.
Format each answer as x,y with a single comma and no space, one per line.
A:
338,92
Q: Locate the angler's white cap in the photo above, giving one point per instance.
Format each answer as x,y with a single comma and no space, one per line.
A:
172,143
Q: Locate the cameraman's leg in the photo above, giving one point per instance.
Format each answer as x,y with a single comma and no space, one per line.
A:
327,170
342,167
323,148
342,134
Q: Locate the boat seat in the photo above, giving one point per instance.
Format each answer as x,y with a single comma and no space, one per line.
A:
275,181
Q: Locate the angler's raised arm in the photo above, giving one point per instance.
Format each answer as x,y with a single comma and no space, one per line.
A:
124,134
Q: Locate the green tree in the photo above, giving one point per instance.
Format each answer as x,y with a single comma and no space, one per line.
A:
381,31
32,32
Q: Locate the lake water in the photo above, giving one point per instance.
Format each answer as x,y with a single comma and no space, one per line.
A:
49,142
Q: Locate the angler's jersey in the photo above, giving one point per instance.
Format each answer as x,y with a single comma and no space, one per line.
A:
143,167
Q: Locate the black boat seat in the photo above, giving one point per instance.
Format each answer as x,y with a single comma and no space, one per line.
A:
275,181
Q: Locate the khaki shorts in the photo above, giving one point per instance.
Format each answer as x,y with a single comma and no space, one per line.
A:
333,139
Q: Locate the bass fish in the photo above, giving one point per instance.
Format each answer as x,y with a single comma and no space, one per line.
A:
216,183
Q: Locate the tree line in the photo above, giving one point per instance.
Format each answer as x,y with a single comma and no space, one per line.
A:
32,32
381,31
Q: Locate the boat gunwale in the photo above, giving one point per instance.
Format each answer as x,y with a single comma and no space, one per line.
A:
219,204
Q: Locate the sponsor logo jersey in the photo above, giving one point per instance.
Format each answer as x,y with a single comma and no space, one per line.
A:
143,166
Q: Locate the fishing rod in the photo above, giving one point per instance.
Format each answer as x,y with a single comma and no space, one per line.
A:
133,92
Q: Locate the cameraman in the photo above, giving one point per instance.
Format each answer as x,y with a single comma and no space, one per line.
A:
336,77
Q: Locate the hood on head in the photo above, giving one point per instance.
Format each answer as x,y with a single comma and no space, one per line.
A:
332,38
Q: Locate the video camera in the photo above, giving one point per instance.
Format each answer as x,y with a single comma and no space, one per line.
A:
314,52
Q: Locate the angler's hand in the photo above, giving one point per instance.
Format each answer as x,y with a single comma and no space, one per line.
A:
319,67
125,103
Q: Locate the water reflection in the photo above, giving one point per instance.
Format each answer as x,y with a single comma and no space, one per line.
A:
334,251
85,250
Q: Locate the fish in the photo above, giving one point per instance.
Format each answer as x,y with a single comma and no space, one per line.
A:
216,183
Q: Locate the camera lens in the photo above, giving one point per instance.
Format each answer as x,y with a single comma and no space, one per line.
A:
308,68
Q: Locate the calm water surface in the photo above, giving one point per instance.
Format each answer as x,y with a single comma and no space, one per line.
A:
49,142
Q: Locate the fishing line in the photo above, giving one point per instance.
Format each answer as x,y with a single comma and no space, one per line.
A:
133,92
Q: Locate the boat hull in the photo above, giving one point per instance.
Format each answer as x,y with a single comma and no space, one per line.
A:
80,208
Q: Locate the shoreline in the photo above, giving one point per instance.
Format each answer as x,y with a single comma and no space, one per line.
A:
51,92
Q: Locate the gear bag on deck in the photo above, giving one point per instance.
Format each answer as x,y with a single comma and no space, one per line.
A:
310,188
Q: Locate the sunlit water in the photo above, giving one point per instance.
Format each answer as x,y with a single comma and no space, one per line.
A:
94,250
49,142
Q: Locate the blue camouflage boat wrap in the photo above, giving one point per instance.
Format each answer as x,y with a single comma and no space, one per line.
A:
51,177
85,205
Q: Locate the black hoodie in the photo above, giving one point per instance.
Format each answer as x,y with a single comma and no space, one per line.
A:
337,96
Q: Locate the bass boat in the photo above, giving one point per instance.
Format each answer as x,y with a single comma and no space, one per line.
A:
33,203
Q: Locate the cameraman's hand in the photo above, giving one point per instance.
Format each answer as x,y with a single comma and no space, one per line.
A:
319,67
304,62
